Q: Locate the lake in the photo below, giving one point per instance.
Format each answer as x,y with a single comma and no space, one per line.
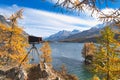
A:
70,55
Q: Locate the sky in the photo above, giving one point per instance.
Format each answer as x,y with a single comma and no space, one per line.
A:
40,18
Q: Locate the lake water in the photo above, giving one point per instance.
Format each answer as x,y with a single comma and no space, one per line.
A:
70,55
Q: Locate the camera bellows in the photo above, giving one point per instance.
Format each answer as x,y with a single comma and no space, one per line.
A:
33,39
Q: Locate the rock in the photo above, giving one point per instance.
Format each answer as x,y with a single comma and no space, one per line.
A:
36,73
14,73
2,72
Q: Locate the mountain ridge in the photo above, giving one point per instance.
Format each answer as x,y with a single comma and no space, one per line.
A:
89,35
61,35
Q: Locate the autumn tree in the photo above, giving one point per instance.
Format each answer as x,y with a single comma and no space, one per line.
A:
46,53
107,58
93,6
88,52
13,42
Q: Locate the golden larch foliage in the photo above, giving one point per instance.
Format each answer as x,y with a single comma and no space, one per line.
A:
12,48
46,53
88,49
107,58
13,42
88,52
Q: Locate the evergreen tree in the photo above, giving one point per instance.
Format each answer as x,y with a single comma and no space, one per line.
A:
46,50
13,42
88,52
107,58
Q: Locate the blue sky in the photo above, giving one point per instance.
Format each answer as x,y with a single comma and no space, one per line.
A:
41,19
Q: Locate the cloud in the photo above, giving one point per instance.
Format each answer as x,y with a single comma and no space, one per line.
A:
43,23
108,10
96,14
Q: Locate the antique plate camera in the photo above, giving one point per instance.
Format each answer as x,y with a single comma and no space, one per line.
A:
34,40
33,50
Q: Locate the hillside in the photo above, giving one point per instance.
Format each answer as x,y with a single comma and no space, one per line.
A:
61,35
89,35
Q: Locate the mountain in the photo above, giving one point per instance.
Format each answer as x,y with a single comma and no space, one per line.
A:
61,35
90,35
82,36
76,35
75,31
3,20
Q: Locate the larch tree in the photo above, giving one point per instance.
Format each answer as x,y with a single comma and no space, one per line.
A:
13,42
93,7
88,51
46,53
107,57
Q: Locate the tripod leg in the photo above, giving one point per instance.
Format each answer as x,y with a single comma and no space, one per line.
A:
25,57
36,51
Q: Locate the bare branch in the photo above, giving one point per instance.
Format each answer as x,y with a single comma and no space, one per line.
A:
13,18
